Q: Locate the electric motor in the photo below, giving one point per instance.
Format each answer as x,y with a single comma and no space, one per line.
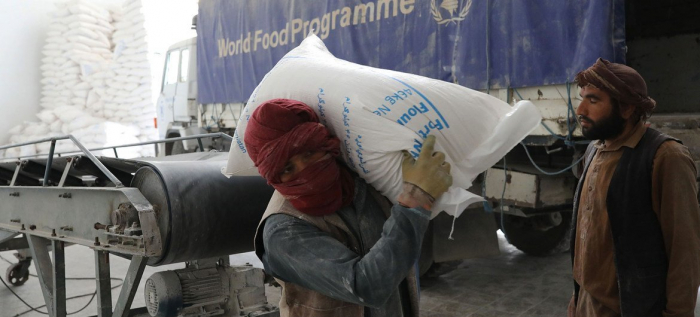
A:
211,291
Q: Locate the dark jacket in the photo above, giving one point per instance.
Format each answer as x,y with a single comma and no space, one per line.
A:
355,262
640,256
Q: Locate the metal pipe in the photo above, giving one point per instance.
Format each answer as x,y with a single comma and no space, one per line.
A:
14,176
59,277
65,137
208,135
38,246
49,162
201,146
104,286
196,136
131,284
69,163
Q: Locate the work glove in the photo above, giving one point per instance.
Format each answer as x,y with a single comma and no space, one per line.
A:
426,178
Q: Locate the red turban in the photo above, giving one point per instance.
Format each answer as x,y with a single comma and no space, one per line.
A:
282,128
621,82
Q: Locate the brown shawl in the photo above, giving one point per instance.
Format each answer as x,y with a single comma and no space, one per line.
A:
622,83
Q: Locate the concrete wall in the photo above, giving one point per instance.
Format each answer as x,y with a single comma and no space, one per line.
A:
671,69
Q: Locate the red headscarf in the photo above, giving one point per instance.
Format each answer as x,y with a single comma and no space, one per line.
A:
282,128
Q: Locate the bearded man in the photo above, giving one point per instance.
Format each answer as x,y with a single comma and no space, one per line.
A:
335,245
636,241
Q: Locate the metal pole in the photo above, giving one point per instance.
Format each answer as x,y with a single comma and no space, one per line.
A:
131,283
115,152
49,162
42,261
14,176
210,135
69,163
201,147
104,284
59,278
34,142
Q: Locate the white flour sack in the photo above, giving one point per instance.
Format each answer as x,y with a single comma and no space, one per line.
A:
377,113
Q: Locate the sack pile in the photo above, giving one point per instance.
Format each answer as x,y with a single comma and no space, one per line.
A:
96,82
378,113
127,98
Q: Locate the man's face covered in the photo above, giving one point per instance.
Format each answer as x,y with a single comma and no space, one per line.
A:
296,155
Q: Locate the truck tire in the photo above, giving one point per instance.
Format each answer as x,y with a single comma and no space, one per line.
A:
427,267
524,234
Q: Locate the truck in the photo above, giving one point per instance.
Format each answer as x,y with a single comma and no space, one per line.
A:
526,50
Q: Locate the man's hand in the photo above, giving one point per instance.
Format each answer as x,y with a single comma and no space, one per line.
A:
430,173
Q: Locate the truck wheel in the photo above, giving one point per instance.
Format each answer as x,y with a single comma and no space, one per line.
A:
178,148
538,235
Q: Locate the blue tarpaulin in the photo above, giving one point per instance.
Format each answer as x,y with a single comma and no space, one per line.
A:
479,44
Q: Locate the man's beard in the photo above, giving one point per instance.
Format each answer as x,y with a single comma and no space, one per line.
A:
606,128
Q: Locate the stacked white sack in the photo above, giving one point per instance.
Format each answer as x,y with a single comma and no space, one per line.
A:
377,113
80,78
77,48
77,73
130,89
18,135
77,45
90,131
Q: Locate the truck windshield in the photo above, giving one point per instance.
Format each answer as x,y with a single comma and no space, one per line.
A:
171,70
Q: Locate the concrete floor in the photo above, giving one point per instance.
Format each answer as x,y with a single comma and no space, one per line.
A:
511,284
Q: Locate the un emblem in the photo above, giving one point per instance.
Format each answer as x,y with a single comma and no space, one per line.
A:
451,6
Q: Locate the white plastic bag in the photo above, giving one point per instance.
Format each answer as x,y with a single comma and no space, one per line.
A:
378,113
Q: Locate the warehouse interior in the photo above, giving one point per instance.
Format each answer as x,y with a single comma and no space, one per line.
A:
100,216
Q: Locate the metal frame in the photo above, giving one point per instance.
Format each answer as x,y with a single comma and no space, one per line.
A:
68,214
52,274
104,284
82,148
50,222
49,217
86,151
6,236
131,284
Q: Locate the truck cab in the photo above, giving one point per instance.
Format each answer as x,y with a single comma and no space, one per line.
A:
178,93
179,114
